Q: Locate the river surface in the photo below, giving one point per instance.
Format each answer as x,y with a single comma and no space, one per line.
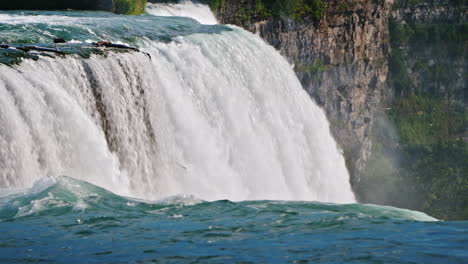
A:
62,220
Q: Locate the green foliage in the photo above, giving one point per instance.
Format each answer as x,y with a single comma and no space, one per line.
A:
314,69
263,9
419,154
216,4
444,40
299,9
402,34
399,76
425,167
130,7
424,121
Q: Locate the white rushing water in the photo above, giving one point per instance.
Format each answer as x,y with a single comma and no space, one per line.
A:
217,116
184,8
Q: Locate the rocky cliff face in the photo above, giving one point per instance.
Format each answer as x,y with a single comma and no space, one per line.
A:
420,143
341,60
429,36
391,76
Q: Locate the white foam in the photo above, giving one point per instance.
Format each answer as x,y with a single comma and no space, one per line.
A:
185,200
197,11
36,206
400,213
216,116
15,19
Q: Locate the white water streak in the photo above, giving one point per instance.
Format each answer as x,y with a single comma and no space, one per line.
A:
218,116
197,11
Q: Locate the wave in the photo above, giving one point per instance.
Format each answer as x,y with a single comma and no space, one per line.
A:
54,196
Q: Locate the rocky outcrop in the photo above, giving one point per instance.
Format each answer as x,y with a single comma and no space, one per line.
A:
341,60
130,7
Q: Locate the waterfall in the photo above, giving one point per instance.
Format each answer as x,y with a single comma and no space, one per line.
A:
185,8
215,115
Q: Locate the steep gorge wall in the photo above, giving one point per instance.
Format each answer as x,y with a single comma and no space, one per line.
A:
391,76
431,38
341,60
420,142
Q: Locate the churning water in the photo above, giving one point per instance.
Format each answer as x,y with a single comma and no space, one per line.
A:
203,116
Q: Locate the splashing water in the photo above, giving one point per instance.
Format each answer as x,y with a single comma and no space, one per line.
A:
206,116
66,220
215,113
185,8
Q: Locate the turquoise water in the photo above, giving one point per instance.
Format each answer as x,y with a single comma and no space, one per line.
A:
80,29
43,26
65,220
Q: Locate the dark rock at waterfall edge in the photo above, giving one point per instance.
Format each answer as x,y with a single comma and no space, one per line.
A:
11,55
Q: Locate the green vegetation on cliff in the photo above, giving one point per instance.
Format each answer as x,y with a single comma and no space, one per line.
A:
419,158
313,69
264,9
419,155
443,41
130,7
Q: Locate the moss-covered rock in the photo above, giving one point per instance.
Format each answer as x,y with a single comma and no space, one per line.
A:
130,7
